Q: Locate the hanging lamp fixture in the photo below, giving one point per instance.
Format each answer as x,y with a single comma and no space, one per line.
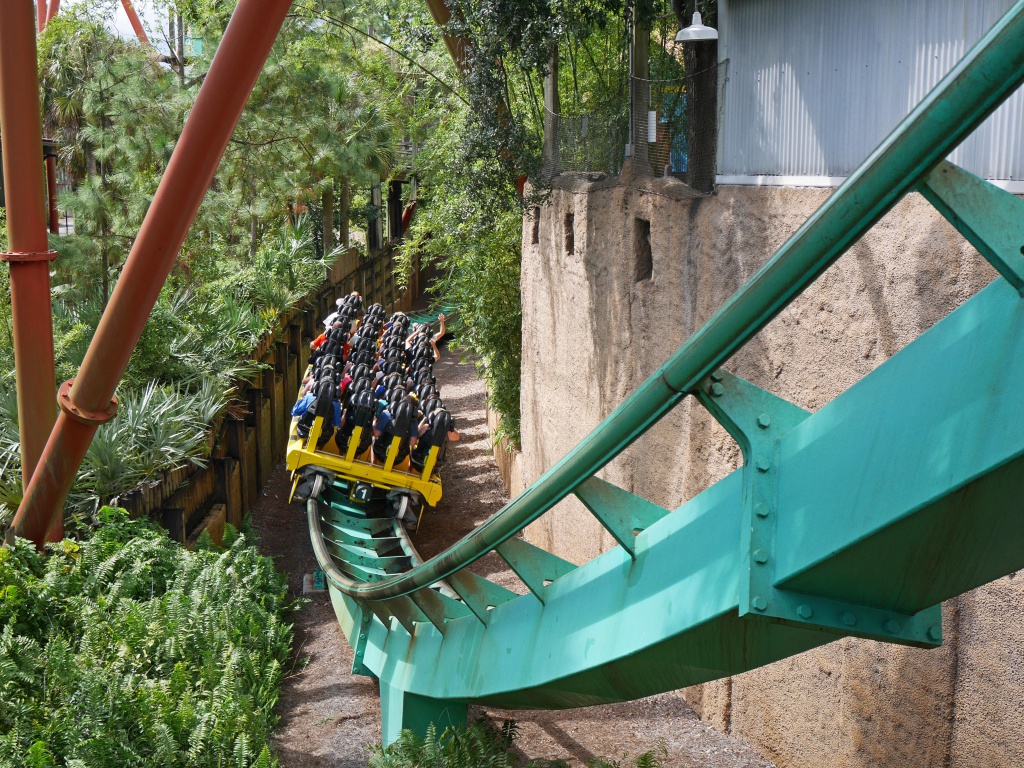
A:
696,32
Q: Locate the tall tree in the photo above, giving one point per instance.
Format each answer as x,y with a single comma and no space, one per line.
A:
701,62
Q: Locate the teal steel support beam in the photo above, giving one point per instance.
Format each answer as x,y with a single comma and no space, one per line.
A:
358,641
400,710
991,219
480,595
922,500
756,419
406,612
534,566
438,608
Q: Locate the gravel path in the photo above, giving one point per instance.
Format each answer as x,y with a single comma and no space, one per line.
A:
329,716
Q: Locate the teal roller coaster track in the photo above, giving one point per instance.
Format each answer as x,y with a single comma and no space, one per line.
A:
857,520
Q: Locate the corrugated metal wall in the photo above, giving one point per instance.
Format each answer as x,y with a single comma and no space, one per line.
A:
814,85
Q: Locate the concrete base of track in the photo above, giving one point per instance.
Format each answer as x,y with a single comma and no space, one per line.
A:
329,716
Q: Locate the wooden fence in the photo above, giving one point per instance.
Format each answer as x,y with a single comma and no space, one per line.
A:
248,440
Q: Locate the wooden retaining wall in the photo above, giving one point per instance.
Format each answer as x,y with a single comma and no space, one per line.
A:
248,440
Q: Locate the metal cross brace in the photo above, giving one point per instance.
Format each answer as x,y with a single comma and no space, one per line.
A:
990,218
534,566
622,513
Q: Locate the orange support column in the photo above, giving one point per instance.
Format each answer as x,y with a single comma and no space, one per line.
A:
457,45
29,257
133,19
87,400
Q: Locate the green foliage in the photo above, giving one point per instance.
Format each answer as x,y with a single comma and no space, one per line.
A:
481,745
477,247
153,428
510,47
653,758
478,745
126,649
180,376
156,427
283,269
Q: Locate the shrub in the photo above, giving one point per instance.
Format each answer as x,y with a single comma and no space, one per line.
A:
127,649
480,744
155,428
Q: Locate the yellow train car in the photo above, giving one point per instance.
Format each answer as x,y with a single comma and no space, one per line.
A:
377,480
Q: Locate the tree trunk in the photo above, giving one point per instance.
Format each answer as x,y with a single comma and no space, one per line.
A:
177,46
181,50
104,238
640,90
253,237
328,211
106,272
375,230
552,106
104,224
344,204
700,61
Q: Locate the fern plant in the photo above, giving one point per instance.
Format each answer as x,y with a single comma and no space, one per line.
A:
481,745
127,649
652,758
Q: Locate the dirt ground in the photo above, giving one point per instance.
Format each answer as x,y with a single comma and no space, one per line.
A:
329,716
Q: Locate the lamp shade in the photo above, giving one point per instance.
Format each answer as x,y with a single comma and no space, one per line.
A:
696,32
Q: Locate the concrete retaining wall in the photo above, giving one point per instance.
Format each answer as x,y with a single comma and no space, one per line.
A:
508,459
615,276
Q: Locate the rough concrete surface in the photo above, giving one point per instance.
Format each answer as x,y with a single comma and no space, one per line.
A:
599,318
329,716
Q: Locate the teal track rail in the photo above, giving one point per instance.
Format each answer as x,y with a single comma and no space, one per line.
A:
834,526
431,317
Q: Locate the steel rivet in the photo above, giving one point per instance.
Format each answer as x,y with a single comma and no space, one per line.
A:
761,510
892,626
935,633
717,390
717,375
764,421
759,603
762,465
804,611
849,619
760,556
